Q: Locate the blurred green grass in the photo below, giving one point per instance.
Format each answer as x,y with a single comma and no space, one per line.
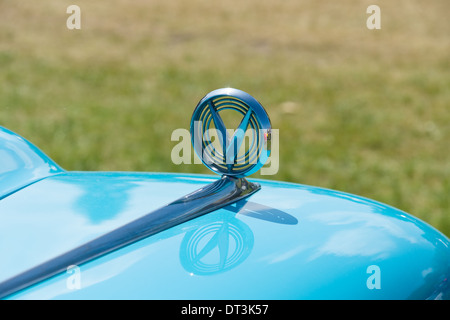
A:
362,111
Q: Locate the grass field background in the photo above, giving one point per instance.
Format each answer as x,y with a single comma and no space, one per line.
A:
362,111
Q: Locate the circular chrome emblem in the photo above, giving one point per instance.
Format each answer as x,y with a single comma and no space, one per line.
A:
231,132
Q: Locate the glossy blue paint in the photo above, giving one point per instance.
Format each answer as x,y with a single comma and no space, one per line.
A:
287,241
21,163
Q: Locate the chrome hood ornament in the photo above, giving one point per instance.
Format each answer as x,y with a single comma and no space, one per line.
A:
231,158
237,153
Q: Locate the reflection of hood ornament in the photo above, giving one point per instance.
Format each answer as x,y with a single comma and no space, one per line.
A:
239,152
216,247
220,241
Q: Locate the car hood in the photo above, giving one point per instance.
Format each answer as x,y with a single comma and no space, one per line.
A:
287,241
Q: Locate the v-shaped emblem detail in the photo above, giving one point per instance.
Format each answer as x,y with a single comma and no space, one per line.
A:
240,153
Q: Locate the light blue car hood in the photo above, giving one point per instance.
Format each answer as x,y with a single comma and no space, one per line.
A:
287,241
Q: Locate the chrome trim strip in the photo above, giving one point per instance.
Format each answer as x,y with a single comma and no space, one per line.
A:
216,195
